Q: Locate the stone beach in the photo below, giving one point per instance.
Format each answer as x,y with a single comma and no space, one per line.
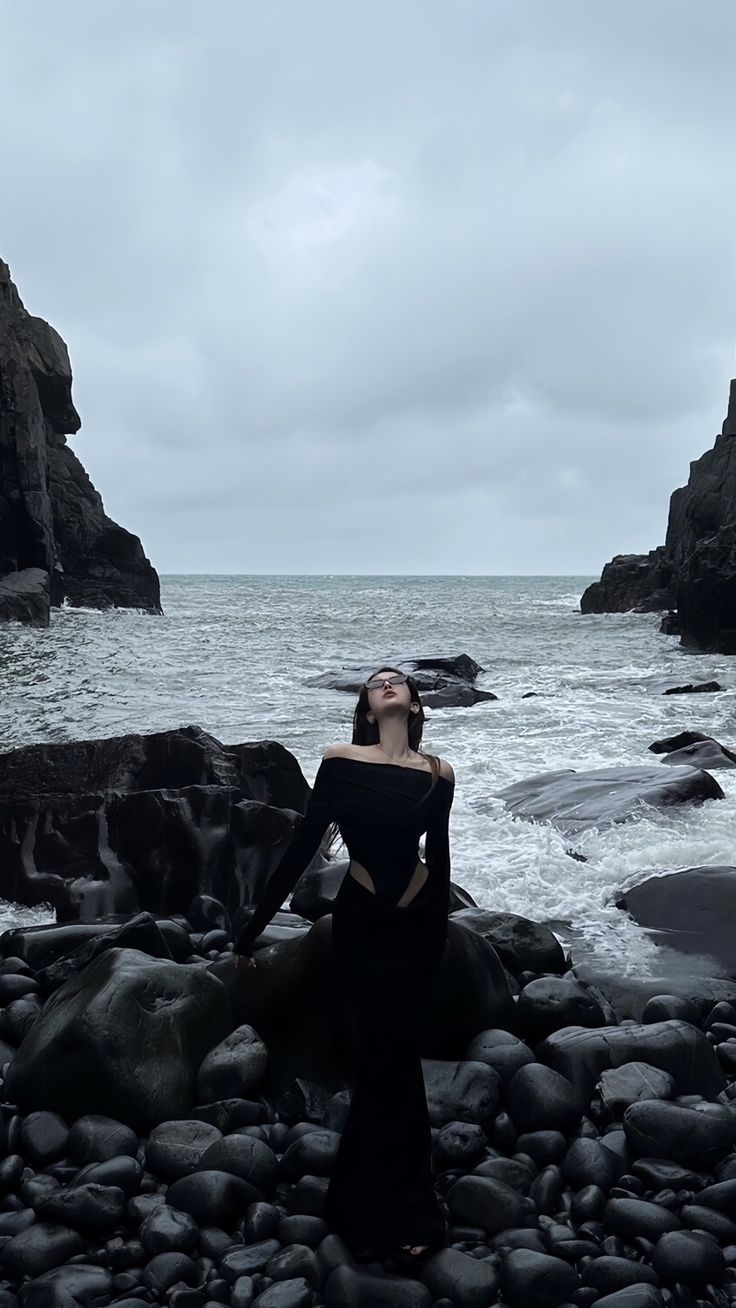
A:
169,1123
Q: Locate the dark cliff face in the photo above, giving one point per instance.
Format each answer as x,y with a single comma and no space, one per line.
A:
51,516
701,540
695,569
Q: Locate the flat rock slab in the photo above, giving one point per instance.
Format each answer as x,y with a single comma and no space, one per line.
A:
574,801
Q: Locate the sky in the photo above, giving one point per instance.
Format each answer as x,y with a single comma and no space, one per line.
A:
418,286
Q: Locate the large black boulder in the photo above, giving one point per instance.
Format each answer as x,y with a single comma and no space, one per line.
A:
144,822
124,1037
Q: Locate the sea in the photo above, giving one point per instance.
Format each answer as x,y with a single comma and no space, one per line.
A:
234,654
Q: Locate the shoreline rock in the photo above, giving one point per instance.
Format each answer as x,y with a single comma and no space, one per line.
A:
693,575
57,543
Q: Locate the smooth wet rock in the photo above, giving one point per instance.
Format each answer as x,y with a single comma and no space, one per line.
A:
682,1135
540,1098
467,1282
639,1295
689,1258
95,1138
675,1047
248,1260
234,1067
213,1198
125,1038
460,1091
550,1003
260,1222
630,1218
574,801
67,1287
168,1230
487,1203
296,1261
18,1018
299,1229
43,1137
607,1274
244,1156
588,1162
313,1153
41,1247
175,1148
458,1144
502,1051
295,1293
521,944
119,1170
528,1278
87,1208
166,1270
707,754
350,1287
619,1087
721,1196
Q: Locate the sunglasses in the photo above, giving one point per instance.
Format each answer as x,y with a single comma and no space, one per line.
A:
376,683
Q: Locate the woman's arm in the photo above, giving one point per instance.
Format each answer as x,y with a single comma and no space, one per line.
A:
437,842
296,857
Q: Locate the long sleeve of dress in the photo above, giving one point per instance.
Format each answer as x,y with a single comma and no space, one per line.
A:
296,857
437,841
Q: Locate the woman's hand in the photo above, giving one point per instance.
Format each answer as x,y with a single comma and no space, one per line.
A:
243,962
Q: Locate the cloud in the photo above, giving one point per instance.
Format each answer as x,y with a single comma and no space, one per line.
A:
331,275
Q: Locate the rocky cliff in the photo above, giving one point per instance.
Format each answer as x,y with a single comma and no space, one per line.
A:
695,570
56,541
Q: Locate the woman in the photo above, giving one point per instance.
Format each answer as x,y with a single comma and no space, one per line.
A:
389,926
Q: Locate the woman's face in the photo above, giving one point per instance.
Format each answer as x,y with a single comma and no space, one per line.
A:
386,697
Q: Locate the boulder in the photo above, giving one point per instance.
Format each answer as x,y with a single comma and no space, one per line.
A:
125,1037
522,945
680,1134
144,822
582,1055
444,681
706,754
694,908
574,801
550,1003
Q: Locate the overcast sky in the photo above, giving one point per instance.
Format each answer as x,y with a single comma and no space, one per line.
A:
413,286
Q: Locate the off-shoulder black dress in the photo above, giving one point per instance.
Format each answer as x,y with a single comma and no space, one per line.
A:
387,957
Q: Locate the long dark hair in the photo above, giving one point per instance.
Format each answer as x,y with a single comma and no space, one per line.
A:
367,733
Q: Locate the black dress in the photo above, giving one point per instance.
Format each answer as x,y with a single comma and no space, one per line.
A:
387,959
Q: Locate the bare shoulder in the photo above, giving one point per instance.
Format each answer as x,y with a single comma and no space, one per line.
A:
339,750
446,770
